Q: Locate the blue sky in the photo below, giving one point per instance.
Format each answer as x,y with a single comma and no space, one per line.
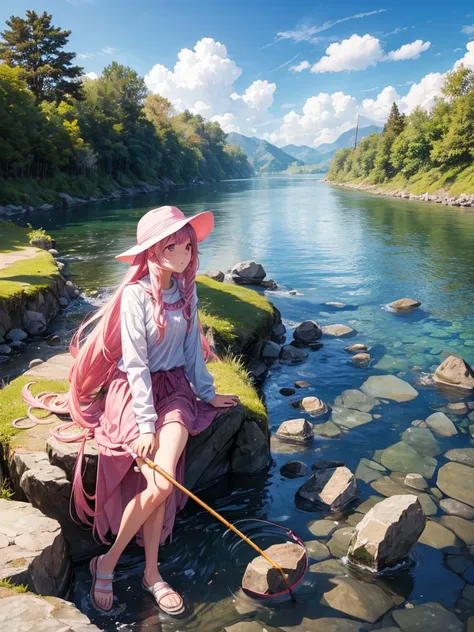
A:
263,67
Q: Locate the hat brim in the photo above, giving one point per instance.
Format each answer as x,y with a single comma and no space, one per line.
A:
203,223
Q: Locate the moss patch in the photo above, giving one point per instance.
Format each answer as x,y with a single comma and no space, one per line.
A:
236,313
26,276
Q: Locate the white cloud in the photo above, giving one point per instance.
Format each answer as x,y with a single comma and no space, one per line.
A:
409,51
92,75
106,50
307,32
355,53
468,29
468,59
303,65
202,81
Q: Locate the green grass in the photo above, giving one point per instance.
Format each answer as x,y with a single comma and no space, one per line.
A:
26,276
7,583
13,406
236,313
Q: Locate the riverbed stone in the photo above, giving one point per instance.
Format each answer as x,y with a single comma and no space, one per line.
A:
387,486
355,348
366,472
428,616
294,469
322,528
317,550
331,488
337,331
340,541
302,384
422,440
361,359
389,387
455,372
463,528
458,408
314,406
271,350
441,425
401,457
260,576
405,304
353,398
457,481
438,537
292,354
461,455
388,532
34,550
299,430
17,334
35,362
5,350
456,508
328,429
416,481
307,331
287,392
349,418
358,599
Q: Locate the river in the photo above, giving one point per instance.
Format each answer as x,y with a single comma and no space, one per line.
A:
328,244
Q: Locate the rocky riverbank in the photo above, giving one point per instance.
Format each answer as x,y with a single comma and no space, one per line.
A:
463,200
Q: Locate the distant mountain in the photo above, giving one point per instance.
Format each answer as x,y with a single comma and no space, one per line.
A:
263,156
306,154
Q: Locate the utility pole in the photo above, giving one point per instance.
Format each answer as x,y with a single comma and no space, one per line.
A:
357,132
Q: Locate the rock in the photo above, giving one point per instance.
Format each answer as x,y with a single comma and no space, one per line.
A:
340,541
257,370
388,532
46,207
287,392
313,406
352,398
389,387
247,273
358,599
295,430
441,425
279,330
404,304
261,577
361,359
63,301
429,616
317,550
5,350
328,429
326,465
438,537
457,481
333,488
269,285
302,384
294,469
349,418
463,528
323,528
401,457
34,322
308,331
355,348
292,354
53,340
455,372
216,275
17,334
335,304
4,359
459,408
393,485
325,624
53,252
416,481
271,350
251,453
369,471
66,198
70,289
17,344
34,551
456,508
34,363
337,330
461,455
422,440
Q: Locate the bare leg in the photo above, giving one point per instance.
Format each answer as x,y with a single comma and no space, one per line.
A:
171,441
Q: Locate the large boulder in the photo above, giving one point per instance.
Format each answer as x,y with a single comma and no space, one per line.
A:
295,430
252,451
387,532
455,372
261,577
332,488
292,355
308,331
247,273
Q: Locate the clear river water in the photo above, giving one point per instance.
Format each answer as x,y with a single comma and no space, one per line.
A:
328,244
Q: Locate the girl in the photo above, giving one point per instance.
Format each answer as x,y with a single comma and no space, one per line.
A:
130,384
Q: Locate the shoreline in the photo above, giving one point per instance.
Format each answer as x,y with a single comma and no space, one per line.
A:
463,200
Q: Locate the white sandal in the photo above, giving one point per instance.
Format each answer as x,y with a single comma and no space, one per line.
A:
160,590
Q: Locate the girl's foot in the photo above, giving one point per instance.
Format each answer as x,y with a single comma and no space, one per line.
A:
166,598
101,593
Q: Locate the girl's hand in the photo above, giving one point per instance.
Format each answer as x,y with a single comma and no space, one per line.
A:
224,401
144,445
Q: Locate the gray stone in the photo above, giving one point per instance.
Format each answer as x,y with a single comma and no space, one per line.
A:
429,616
457,481
324,624
292,354
361,359
5,350
358,599
296,430
389,387
261,577
456,373
390,487
340,541
34,322
401,457
388,532
464,529
355,348
422,440
461,455
349,418
458,408
456,508
308,331
294,469
416,481
63,301
53,252
252,452
317,550
337,330
438,537
367,473
271,350
322,528
441,425
333,488
17,344
216,275
247,273
353,398
405,304
17,334
328,429
314,406
269,284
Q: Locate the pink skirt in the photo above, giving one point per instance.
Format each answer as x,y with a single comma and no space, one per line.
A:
117,481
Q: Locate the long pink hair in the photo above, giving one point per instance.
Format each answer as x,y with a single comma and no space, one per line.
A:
96,351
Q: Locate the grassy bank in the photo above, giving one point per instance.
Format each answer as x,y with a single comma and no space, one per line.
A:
28,275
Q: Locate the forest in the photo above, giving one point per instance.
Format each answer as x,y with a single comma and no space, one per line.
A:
63,131
424,151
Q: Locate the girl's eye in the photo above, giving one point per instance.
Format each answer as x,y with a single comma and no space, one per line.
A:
189,246
171,247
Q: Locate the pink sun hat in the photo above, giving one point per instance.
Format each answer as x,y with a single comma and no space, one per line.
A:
162,222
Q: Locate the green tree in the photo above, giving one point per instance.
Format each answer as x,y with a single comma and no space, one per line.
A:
36,46
395,123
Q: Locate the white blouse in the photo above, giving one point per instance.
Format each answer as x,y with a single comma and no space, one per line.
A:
141,355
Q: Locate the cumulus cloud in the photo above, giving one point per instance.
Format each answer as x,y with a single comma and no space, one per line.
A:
92,75
409,51
468,59
303,65
468,29
202,81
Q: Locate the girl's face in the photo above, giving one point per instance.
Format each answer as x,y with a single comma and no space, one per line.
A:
175,257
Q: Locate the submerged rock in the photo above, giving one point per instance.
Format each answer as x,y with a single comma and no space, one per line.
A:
261,577
349,418
286,392
308,331
302,384
422,440
455,372
387,532
292,354
428,616
457,481
337,330
328,429
358,599
401,457
294,469
461,455
389,387
353,398
296,430
441,425
361,359
456,508
333,488
405,304
416,481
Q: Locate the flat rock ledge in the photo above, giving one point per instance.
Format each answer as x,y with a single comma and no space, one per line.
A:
33,550
30,612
